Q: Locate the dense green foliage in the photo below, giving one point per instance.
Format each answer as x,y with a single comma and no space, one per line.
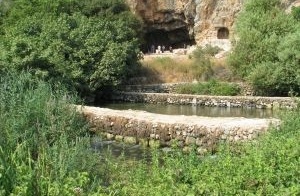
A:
267,53
296,13
211,87
43,146
86,44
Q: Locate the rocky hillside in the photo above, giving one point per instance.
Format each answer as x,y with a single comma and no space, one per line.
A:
183,22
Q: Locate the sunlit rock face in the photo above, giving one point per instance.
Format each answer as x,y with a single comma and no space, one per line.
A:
184,22
167,22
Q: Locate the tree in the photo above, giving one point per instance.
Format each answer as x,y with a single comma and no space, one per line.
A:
296,13
85,44
263,27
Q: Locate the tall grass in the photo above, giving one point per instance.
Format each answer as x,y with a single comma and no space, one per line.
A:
167,69
200,66
42,141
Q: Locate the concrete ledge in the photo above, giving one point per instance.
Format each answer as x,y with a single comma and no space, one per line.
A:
163,130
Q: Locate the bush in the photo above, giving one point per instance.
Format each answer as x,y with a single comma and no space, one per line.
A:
296,13
267,53
85,44
209,88
202,62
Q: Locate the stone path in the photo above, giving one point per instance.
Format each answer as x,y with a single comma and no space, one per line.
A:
148,129
228,122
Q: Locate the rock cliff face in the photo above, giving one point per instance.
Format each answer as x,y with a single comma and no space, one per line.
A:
179,22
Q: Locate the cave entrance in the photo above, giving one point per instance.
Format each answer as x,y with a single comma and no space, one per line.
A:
223,33
177,38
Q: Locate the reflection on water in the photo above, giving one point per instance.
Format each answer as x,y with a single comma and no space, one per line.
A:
190,110
117,149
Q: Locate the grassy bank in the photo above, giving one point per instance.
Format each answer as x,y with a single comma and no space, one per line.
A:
200,65
44,150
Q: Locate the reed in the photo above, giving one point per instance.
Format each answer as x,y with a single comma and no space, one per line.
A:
41,138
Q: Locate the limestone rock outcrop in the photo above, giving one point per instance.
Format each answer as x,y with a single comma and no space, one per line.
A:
180,22
184,22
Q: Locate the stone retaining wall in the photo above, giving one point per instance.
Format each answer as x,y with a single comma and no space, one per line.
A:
152,88
149,129
171,87
203,100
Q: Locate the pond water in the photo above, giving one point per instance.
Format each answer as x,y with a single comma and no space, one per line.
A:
190,110
117,149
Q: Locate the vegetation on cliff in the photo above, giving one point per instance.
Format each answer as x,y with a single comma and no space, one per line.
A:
267,53
85,44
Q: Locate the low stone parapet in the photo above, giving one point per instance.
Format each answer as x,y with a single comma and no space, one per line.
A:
164,130
206,100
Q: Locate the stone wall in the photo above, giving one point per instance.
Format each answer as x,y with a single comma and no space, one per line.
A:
139,127
203,100
171,87
152,88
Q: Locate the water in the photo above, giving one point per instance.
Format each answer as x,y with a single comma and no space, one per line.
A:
190,110
137,152
117,149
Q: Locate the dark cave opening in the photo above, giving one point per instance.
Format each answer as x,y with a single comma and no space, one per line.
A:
223,33
177,38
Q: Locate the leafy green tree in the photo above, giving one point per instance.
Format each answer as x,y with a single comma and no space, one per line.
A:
264,30
85,44
296,13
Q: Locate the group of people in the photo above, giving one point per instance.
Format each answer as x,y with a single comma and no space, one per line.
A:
160,49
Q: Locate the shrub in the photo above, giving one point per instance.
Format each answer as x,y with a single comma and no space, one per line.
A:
209,88
202,62
85,44
266,53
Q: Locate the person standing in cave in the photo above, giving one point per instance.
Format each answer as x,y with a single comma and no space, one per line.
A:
152,49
